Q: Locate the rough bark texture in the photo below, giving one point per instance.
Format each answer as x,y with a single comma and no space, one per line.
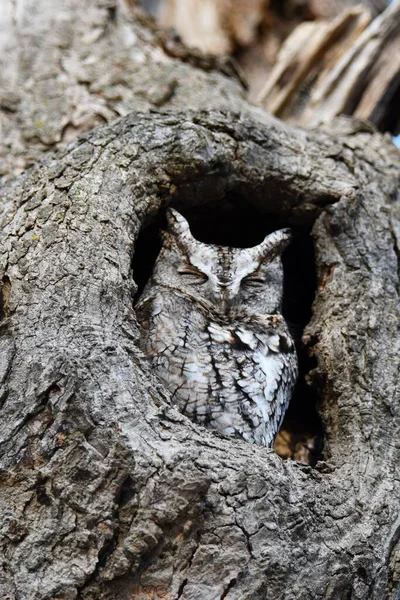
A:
66,69
106,491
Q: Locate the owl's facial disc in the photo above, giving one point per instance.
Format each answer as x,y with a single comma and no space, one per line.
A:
229,277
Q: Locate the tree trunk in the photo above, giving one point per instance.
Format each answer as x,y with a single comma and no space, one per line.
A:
106,491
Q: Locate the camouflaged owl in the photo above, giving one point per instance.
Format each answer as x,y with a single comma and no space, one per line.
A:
211,323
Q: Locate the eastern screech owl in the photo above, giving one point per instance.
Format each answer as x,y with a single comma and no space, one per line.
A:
211,323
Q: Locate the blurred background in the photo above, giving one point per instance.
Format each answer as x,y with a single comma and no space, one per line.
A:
305,61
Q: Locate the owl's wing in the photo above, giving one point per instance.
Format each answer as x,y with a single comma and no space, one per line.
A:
266,377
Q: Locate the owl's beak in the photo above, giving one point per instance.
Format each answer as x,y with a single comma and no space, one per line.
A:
225,291
226,299
225,306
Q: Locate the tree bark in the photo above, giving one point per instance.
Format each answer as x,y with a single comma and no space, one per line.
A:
67,69
106,491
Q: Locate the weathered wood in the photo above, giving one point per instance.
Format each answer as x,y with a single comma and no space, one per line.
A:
255,30
344,66
303,59
214,27
329,9
251,30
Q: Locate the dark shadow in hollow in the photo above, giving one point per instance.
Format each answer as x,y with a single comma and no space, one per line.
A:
236,223
387,116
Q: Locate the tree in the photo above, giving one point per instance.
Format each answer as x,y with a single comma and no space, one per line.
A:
106,490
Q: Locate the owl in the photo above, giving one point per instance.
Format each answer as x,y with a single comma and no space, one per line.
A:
212,326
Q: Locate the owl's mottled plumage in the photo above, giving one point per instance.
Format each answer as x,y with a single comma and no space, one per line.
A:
211,323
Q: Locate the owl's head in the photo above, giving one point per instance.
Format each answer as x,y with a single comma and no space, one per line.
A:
229,278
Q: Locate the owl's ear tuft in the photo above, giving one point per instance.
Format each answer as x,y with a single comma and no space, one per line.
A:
279,239
177,225
166,237
274,244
